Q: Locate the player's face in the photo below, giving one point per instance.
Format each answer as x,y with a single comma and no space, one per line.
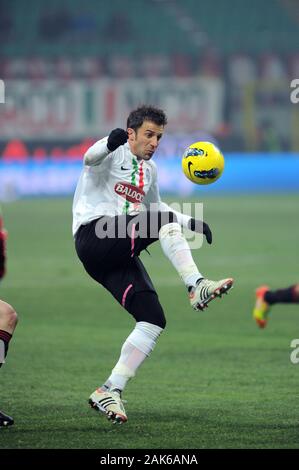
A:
144,142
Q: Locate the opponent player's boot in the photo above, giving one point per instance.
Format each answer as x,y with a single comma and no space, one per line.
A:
5,420
205,291
110,404
261,308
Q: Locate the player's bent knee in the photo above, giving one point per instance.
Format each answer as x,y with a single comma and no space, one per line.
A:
145,307
155,317
161,320
163,324
8,315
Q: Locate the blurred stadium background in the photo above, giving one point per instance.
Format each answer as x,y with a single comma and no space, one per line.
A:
222,71
73,70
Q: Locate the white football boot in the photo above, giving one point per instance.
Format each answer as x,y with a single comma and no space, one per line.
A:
110,404
205,291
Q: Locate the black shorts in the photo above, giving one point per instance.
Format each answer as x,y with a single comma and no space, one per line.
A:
115,264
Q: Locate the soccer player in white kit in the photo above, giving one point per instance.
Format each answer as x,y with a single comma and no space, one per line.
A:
117,213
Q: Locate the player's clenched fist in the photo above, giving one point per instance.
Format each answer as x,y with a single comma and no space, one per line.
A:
116,138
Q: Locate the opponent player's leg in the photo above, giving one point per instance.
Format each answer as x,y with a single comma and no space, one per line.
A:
177,250
265,298
8,322
3,237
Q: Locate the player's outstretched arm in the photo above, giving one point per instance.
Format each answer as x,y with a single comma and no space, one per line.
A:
97,152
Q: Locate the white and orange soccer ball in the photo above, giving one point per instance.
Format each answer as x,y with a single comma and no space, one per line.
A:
203,163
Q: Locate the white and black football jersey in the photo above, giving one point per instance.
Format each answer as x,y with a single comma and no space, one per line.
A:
115,183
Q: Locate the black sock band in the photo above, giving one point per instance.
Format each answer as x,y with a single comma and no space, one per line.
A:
282,296
5,337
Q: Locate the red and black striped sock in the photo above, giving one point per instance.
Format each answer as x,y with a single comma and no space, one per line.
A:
282,296
5,338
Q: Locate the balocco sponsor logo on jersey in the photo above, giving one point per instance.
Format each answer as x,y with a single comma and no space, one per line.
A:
130,192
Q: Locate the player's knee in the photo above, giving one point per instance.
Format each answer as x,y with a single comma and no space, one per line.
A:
145,307
162,322
170,229
11,318
8,315
155,317
158,317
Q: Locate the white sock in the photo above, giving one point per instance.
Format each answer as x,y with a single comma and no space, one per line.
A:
135,350
177,250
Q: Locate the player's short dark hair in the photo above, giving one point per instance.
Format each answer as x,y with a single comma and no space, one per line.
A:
146,113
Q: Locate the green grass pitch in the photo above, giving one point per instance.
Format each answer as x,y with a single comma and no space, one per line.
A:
214,380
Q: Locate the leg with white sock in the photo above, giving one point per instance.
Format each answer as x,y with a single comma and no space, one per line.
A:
8,322
177,250
150,322
135,350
